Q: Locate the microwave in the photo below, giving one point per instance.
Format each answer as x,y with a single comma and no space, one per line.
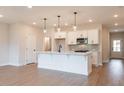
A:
82,40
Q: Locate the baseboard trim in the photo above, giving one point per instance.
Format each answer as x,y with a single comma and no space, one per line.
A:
11,64
14,64
116,58
3,64
100,64
106,61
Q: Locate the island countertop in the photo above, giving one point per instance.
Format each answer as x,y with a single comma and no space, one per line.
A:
65,53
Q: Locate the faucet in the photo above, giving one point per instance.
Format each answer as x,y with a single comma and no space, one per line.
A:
60,46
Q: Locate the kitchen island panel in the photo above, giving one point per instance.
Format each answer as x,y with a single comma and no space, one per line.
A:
73,63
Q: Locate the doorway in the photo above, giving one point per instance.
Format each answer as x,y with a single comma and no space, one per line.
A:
30,49
117,45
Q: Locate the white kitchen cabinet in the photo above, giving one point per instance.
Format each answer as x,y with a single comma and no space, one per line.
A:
67,62
60,35
93,36
89,57
95,58
72,38
82,34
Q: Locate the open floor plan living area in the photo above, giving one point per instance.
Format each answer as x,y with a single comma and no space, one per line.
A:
61,46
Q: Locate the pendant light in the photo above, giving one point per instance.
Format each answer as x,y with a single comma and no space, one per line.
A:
44,29
58,29
75,24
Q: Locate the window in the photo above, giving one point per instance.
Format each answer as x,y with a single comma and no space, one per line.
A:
116,45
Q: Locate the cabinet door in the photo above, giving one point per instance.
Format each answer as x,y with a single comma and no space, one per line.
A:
81,34
72,38
93,36
95,58
60,35
89,64
85,33
56,35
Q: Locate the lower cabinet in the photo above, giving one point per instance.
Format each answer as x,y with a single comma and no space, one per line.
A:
72,38
73,63
89,59
94,58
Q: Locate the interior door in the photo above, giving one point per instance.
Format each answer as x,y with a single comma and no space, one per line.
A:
30,49
116,48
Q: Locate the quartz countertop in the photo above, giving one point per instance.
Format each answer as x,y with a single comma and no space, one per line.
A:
65,53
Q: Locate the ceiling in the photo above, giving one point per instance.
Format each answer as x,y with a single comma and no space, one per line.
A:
99,15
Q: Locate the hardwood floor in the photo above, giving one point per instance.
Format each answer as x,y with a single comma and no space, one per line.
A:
111,73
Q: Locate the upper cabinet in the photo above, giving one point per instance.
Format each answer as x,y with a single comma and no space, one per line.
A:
82,34
72,38
60,35
93,36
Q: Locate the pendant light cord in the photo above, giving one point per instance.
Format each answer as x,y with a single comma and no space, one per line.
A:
75,13
45,23
58,21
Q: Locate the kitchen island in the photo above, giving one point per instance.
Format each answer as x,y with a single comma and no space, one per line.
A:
79,63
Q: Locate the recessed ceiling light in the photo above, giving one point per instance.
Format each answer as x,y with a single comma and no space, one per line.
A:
116,24
1,16
44,30
90,20
54,24
29,6
75,28
115,16
34,23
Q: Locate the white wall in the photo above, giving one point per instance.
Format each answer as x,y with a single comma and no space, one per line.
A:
17,36
4,44
105,45
13,45
12,42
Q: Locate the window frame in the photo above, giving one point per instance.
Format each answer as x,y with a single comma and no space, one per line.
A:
115,47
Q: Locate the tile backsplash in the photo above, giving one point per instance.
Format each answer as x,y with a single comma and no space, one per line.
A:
83,47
